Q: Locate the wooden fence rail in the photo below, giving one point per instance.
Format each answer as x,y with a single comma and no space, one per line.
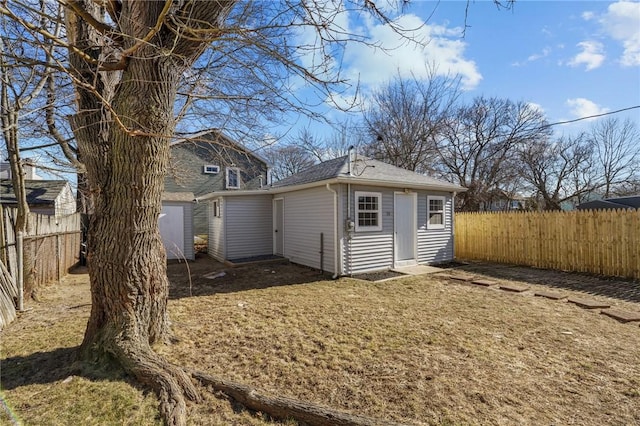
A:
51,248
605,242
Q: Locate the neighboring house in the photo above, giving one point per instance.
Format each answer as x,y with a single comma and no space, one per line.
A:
632,202
210,161
500,200
345,215
48,197
176,225
28,169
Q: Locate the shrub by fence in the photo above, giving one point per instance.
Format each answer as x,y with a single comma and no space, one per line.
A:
605,242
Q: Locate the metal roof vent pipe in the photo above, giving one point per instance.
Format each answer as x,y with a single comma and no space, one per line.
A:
350,152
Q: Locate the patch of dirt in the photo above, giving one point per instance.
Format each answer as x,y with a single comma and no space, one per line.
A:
378,276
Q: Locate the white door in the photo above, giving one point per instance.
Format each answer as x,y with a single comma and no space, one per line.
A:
171,224
278,227
405,224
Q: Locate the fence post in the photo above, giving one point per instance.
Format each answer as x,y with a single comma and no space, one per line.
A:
20,269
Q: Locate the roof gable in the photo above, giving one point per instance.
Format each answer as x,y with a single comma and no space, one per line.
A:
213,143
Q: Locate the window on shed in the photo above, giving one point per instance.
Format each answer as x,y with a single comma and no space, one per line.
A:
368,208
233,178
216,208
435,212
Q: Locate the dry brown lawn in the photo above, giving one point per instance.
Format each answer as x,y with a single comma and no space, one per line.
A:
416,350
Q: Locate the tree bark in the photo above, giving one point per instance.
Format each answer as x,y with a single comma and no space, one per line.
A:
123,126
286,408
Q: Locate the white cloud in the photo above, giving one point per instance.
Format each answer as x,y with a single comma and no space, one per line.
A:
592,55
582,107
442,47
622,23
545,52
588,15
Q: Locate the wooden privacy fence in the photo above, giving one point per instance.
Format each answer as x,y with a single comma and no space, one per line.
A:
605,242
51,248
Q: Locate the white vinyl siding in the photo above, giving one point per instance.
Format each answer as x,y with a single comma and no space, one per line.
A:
248,226
216,231
434,245
65,202
373,250
308,215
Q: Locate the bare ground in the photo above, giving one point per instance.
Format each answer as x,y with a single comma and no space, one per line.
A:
417,350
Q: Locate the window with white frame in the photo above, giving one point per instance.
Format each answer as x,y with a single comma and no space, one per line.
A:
233,178
368,211
435,212
211,169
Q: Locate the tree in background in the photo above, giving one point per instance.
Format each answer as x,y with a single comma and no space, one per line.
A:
342,136
557,171
406,117
480,142
616,153
291,158
20,88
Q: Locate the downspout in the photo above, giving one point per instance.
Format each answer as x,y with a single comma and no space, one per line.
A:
453,227
336,267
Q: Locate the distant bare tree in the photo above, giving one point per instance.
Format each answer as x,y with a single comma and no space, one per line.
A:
292,157
335,143
480,142
558,171
616,155
406,118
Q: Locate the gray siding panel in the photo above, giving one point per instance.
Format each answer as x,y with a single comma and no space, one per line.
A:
307,214
370,251
186,172
189,248
187,221
434,245
216,240
249,226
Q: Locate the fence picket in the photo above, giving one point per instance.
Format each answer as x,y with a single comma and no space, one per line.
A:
603,242
51,247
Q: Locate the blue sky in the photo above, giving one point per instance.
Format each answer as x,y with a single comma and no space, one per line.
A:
570,58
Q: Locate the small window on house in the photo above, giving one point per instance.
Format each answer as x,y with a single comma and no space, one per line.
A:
211,169
435,212
368,207
233,178
216,208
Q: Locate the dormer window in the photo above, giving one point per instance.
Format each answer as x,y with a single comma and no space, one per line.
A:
233,178
211,169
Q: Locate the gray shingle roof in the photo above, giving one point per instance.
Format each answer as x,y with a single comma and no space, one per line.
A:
364,170
612,203
39,192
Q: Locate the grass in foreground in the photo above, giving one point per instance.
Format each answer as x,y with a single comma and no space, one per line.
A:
414,350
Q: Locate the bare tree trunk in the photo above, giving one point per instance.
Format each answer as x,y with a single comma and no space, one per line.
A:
123,125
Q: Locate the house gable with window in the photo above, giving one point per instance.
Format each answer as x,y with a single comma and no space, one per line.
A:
346,216
208,162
